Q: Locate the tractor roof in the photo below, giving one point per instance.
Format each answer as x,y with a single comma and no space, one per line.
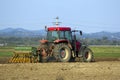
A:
59,29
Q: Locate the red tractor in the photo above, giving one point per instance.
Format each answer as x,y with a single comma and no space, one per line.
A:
61,45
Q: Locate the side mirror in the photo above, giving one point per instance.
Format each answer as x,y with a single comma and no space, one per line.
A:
80,32
45,28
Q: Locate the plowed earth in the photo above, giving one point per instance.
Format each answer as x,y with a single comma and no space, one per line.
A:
99,70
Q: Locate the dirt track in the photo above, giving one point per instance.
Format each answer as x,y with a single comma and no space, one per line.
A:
105,70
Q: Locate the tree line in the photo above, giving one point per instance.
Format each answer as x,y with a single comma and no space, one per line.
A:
101,41
27,41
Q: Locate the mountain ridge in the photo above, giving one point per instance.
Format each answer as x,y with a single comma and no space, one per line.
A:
20,32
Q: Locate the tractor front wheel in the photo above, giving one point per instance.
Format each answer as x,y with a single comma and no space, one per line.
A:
43,56
88,55
62,52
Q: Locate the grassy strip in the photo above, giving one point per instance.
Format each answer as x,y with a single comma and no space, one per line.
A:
99,51
6,47
6,51
109,55
106,51
6,54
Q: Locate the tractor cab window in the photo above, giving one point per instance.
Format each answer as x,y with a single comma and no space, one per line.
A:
65,35
52,35
68,35
55,34
62,35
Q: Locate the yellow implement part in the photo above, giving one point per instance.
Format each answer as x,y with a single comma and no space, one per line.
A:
22,57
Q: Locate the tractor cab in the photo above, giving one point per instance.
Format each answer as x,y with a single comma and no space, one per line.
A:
59,33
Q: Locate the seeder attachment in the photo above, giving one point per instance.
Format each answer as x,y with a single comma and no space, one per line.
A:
24,55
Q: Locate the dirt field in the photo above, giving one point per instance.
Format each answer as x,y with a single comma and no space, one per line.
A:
99,70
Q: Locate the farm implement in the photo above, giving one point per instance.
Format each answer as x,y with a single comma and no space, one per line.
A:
24,55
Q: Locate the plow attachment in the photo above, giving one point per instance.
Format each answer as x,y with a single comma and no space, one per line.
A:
24,55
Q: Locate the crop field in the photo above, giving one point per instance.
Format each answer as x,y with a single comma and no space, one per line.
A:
105,67
6,51
106,53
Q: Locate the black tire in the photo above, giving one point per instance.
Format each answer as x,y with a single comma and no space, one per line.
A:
87,55
62,52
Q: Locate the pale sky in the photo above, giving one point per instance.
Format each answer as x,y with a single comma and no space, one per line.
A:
86,15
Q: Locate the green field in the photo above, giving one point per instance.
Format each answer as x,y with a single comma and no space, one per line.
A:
99,51
6,51
106,51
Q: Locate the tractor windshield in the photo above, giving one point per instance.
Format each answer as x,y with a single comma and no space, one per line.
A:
65,35
53,35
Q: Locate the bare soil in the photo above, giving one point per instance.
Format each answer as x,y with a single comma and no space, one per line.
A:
99,70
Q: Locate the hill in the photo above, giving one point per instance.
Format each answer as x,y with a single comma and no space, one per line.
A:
19,32
99,35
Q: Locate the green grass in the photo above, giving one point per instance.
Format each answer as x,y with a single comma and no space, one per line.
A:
6,54
6,51
99,51
106,51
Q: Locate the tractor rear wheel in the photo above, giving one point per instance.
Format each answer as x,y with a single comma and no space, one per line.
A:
62,52
88,55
